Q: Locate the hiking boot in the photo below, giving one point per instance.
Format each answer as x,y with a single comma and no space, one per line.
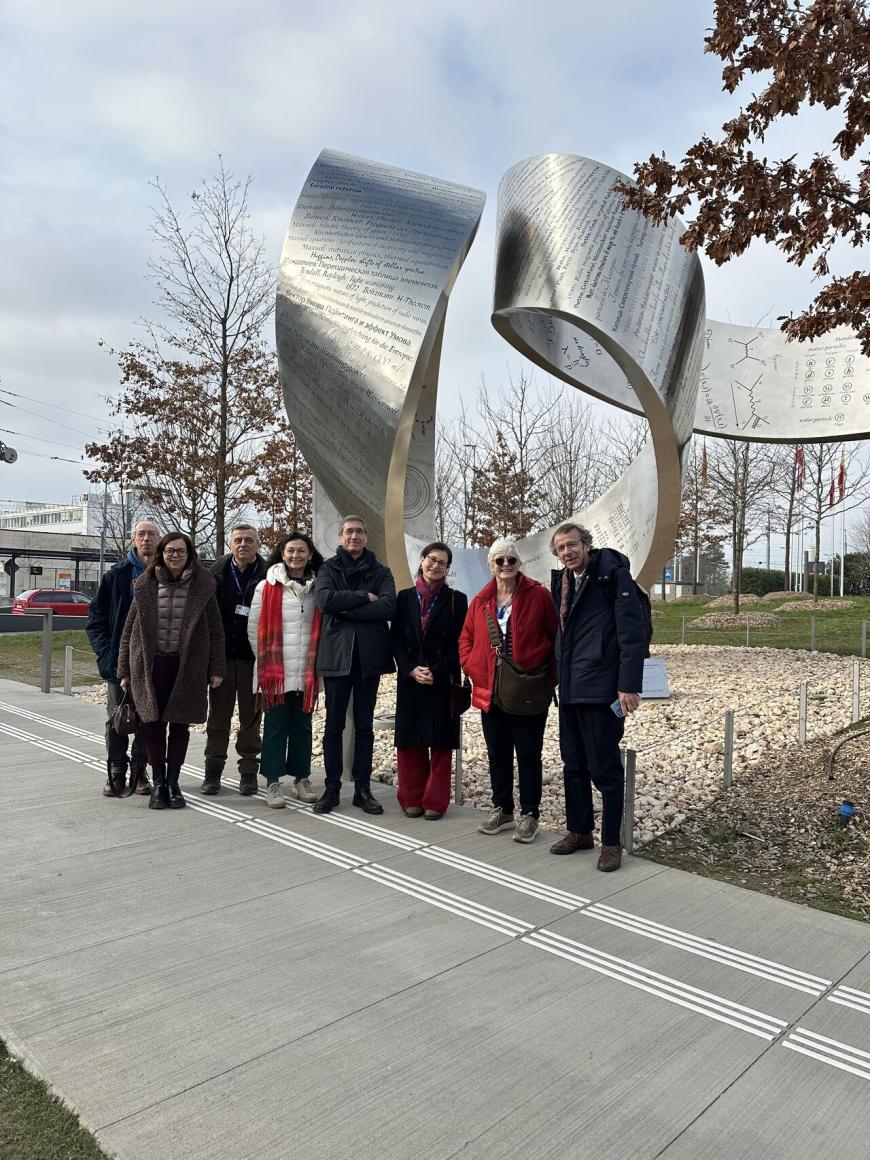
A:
414,812
143,785
248,784
211,784
328,800
274,796
571,843
302,791
610,858
527,828
497,821
159,791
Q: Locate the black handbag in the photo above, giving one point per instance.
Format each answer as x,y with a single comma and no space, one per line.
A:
515,688
125,719
460,698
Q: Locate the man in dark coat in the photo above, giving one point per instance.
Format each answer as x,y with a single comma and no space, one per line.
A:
357,596
237,576
106,619
600,649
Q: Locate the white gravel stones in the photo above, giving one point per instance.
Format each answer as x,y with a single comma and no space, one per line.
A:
727,601
815,606
726,620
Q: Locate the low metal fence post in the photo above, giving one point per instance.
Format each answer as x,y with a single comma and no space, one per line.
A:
630,763
457,769
728,754
813,633
45,685
802,714
856,691
67,669
747,630
683,641
863,638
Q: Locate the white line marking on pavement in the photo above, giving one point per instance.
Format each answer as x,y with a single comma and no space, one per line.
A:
504,878
303,845
706,948
830,1051
849,997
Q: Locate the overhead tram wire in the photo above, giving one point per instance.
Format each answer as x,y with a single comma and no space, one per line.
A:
45,419
54,406
39,439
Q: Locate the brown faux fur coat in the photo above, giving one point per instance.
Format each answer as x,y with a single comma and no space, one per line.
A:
201,650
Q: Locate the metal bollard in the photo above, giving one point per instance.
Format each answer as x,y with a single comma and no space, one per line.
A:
683,641
729,749
863,638
630,764
802,714
747,630
813,633
45,686
457,770
856,691
67,669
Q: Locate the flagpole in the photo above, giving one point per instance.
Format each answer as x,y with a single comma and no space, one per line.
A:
843,558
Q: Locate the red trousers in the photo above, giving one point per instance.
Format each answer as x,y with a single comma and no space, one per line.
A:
424,780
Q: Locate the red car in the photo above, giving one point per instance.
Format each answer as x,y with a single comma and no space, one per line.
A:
59,600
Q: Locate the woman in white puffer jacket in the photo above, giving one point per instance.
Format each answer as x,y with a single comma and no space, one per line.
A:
283,628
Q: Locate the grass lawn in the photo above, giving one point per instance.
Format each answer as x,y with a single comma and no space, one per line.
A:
21,657
837,631
34,1125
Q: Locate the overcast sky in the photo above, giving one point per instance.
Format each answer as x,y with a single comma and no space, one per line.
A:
98,96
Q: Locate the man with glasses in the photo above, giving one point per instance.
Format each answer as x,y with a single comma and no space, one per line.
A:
357,596
237,576
600,649
106,619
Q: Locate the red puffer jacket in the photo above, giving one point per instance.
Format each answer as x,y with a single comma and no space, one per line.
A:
533,635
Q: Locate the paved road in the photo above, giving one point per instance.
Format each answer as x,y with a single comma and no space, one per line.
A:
230,981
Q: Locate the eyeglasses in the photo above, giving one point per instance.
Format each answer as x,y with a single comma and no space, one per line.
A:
175,551
434,562
502,560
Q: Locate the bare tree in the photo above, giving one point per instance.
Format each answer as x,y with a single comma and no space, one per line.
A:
741,475
837,479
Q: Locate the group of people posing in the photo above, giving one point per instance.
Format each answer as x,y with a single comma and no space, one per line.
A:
189,644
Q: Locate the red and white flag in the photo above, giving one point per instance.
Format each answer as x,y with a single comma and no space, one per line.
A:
801,468
831,492
841,476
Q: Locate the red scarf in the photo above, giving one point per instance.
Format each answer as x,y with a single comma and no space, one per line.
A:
309,700
270,648
428,594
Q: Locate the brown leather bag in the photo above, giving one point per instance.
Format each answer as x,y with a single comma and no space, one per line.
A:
516,689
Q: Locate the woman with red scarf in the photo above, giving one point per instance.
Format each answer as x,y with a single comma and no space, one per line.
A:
284,629
425,636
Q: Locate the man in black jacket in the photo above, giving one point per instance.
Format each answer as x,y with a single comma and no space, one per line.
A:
600,649
106,619
237,575
357,596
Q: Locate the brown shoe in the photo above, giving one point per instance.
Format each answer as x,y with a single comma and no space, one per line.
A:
115,785
143,785
414,812
610,859
571,843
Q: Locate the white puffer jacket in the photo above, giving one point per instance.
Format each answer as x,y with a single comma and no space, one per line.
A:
297,613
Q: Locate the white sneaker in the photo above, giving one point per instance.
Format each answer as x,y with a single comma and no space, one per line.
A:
302,791
274,796
527,828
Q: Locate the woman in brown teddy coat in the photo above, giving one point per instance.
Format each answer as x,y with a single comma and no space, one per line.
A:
172,649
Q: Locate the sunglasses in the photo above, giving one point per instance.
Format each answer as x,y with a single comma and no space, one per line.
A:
502,560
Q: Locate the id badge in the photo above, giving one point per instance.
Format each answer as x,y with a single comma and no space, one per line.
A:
243,610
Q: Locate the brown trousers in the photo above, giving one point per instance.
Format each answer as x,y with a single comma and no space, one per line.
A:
236,686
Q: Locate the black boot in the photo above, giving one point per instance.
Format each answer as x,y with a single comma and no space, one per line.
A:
211,784
159,791
328,800
176,797
366,801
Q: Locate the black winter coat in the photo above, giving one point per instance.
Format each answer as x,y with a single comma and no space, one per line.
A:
228,596
423,711
107,615
601,650
351,619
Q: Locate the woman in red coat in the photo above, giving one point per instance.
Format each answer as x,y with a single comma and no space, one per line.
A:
524,615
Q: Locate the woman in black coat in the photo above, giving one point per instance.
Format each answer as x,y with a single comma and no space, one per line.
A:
425,635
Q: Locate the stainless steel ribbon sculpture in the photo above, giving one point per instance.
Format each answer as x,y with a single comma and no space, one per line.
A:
593,293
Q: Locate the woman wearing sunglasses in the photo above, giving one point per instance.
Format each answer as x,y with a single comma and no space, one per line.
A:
425,637
514,615
172,649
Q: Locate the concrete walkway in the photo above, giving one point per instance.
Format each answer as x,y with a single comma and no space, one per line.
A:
230,981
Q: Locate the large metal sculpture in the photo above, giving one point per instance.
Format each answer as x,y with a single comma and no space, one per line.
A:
593,293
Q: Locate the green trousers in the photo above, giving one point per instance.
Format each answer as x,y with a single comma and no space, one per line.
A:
286,740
